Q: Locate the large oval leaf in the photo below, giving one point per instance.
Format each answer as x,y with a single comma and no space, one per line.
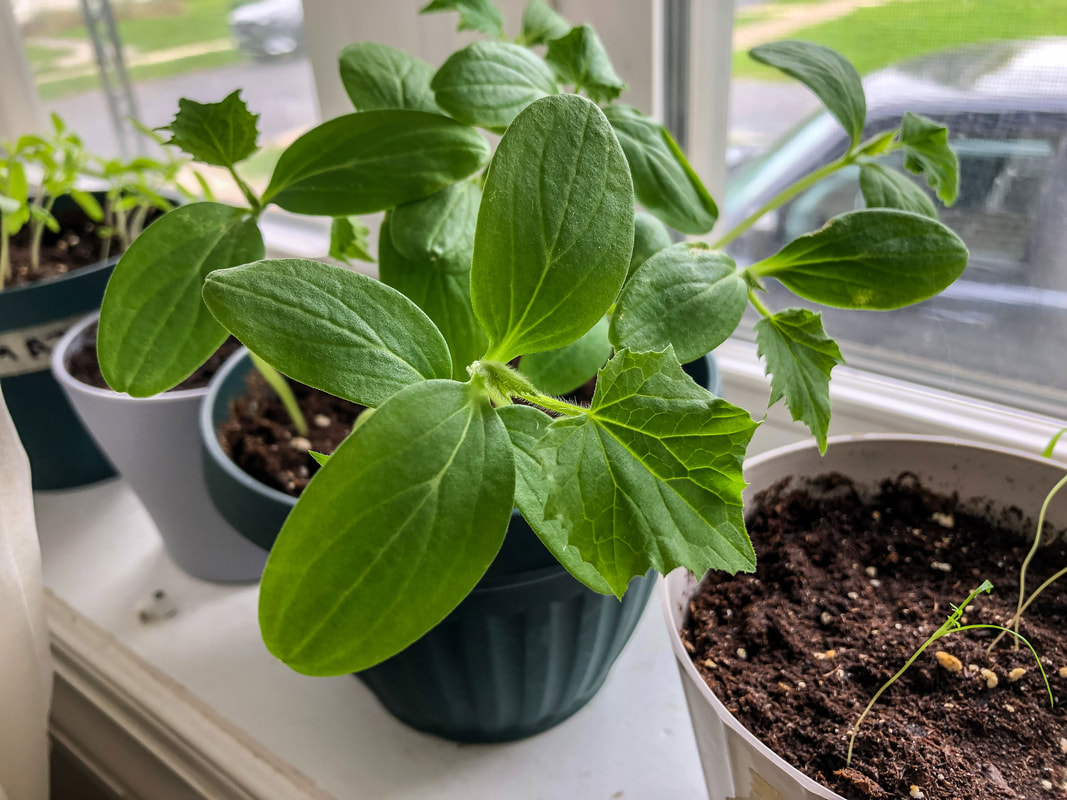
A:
374,160
685,295
391,534
566,369
154,328
489,83
329,327
377,76
555,229
664,183
441,287
650,236
442,224
827,73
878,259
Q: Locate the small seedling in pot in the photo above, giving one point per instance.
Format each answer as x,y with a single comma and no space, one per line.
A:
1024,601
950,626
539,258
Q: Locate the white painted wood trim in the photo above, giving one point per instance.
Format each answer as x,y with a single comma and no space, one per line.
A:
144,735
867,403
20,110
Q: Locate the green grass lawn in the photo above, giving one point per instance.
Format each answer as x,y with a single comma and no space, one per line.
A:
179,66
196,21
873,38
41,57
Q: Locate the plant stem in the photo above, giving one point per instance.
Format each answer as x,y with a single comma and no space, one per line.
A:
38,232
1018,638
947,627
5,253
758,305
284,391
552,404
246,190
784,197
1019,608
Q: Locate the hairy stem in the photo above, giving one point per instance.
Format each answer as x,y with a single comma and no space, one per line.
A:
5,253
246,190
758,305
284,391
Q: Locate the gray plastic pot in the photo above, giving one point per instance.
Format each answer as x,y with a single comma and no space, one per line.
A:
154,444
32,318
736,763
526,649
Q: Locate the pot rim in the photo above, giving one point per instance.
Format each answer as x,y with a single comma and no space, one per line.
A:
210,441
80,272
666,583
71,384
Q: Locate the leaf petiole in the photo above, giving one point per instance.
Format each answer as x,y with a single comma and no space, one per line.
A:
246,190
284,391
758,305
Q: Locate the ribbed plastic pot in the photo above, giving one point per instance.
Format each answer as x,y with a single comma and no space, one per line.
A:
736,763
525,650
154,443
32,318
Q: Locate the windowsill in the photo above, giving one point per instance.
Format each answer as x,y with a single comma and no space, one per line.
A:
207,671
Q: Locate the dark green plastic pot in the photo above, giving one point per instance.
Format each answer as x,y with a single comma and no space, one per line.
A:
33,318
526,649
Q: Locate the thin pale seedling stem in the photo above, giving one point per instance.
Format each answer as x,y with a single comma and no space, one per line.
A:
284,391
5,253
38,226
758,305
1020,607
950,626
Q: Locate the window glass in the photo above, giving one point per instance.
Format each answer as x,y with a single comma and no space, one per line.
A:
994,73
200,49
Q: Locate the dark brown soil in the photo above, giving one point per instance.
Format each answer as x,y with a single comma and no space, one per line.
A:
76,246
84,366
845,591
260,437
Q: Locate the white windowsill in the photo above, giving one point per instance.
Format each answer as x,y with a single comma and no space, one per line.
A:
215,715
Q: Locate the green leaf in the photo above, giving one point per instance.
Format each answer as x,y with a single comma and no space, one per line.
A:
88,204
373,160
526,426
442,289
926,152
474,15
222,134
686,295
329,327
827,73
580,60
391,534
650,477
664,183
887,188
320,458
555,229
541,23
440,226
377,76
650,236
564,370
489,83
154,328
877,259
348,240
8,205
799,357
1050,448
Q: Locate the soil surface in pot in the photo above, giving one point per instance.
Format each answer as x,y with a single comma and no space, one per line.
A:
82,363
845,591
77,245
260,438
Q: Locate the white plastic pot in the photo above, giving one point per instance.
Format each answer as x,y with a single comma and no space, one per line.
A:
736,764
154,442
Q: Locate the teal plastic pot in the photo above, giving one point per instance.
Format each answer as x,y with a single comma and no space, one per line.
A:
32,319
529,647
